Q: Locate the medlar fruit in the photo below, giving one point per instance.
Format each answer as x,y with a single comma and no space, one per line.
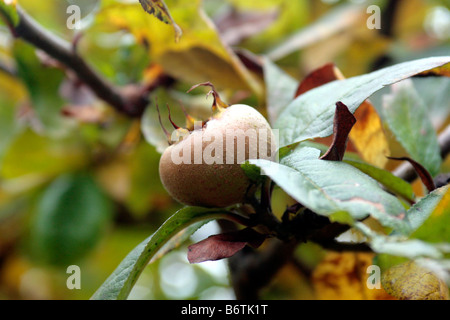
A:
204,167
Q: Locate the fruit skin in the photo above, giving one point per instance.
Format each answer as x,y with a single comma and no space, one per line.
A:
215,185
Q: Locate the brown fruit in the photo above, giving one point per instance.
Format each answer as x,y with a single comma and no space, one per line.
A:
203,169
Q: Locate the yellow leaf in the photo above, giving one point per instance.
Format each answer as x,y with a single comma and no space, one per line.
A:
199,56
439,71
343,276
11,87
408,281
436,228
443,207
368,136
159,9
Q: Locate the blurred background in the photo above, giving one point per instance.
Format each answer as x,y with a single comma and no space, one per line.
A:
79,182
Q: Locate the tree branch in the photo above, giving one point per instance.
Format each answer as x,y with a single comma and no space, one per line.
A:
406,170
130,101
252,270
346,246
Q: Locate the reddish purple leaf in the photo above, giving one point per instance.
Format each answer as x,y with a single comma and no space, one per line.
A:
343,124
224,245
319,77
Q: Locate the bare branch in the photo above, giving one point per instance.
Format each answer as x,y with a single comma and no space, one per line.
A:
346,246
129,102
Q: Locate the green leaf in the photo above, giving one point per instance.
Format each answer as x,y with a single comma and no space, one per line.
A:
410,249
45,158
331,188
253,172
429,221
311,114
391,182
121,281
8,13
435,93
280,89
430,217
70,219
399,246
407,117
422,210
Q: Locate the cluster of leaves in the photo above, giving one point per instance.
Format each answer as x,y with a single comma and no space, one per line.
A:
325,185
83,161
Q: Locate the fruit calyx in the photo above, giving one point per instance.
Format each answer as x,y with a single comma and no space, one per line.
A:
218,105
192,123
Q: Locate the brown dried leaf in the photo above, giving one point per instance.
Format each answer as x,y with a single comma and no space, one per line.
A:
343,124
367,136
224,245
423,173
319,77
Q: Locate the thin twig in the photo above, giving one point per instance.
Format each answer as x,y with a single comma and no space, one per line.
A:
346,246
131,101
